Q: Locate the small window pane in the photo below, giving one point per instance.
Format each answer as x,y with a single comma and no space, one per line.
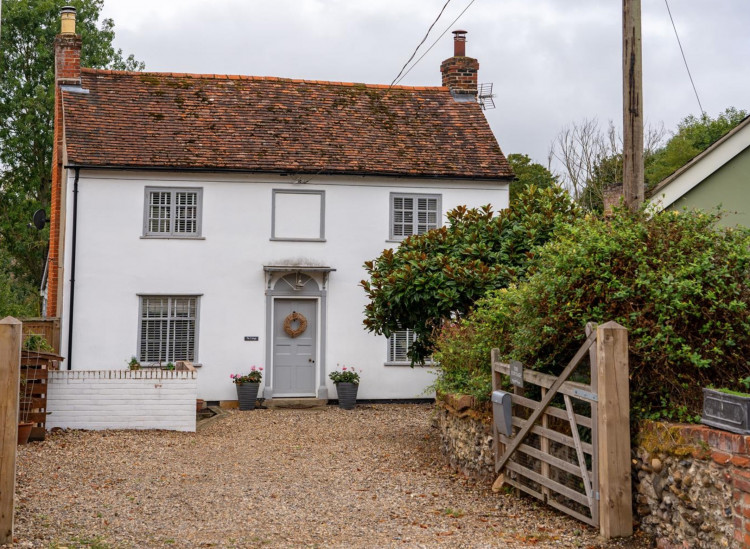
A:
399,344
173,212
186,215
414,214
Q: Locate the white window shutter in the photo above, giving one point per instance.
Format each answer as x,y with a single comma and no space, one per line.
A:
168,328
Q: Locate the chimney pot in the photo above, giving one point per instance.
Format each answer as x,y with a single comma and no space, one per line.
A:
459,43
68,20
460,72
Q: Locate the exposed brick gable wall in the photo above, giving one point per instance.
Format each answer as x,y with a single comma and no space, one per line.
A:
67,72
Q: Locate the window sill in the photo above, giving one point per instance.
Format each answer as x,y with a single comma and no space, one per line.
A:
277,239
171,237
408,364
156,367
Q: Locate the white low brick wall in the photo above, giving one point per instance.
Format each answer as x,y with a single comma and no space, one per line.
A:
122,399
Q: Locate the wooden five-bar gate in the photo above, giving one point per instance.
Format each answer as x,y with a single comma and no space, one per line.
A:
568,440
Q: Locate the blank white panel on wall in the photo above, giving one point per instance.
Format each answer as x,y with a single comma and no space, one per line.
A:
298,215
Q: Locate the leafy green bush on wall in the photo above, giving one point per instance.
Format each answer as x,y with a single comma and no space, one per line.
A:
680,284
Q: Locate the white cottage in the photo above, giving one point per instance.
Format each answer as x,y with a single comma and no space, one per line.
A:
195,215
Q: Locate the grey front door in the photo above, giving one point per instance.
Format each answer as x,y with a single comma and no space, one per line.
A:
294,357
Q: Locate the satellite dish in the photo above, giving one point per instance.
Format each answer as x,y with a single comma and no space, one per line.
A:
40,218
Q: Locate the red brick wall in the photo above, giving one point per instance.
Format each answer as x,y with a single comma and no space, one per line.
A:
67,72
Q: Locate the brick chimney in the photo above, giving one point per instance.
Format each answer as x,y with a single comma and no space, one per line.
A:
68,50
67,73
460,72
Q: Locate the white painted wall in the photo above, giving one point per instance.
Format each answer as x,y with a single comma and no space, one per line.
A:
95,400
114,264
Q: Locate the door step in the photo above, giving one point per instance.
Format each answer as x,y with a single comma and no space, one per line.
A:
296,403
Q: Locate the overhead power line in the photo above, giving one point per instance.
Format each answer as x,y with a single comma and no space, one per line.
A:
422,42
435,42
684,58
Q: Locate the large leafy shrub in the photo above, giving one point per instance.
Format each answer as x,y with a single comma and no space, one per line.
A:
436,276
680,284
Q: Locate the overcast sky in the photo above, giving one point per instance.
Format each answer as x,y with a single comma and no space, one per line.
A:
552,62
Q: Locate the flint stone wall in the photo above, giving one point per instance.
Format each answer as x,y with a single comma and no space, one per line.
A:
691,483
692,486
466,436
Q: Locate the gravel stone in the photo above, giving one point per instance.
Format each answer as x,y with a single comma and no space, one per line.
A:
370,477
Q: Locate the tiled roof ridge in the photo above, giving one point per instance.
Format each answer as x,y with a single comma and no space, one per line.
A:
258,79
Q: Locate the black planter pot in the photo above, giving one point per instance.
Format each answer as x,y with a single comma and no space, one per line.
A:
726,411
247,394
347,393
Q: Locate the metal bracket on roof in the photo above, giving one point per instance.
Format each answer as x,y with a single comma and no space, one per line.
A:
74,89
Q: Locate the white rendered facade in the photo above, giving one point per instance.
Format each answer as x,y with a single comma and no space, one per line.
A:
251,226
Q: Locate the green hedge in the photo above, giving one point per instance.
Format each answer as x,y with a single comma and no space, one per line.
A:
679,283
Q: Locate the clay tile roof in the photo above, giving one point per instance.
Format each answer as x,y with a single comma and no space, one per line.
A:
184,121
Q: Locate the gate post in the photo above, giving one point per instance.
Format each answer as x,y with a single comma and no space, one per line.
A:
615,503
10,377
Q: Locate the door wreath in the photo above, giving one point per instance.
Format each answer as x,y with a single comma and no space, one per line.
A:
301,327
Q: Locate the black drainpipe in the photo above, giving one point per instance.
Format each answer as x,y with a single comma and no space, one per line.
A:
73,269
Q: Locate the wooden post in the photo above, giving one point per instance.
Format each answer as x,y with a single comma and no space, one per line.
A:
10,378
615,503
632,106
591,327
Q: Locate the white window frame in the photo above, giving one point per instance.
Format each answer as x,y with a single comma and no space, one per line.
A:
172,219
415,213
391,358
170,317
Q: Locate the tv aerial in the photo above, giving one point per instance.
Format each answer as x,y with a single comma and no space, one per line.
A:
485,96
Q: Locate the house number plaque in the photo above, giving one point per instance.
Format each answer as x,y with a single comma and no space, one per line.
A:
251,338
516,373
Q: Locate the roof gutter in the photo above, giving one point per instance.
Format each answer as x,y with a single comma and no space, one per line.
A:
73,267
286,172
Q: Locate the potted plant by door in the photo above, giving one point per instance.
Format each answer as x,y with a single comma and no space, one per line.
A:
346,381
247,387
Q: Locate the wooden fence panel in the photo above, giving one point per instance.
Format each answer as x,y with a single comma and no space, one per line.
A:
48,328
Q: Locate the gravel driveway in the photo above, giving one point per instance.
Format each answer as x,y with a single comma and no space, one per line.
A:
371,477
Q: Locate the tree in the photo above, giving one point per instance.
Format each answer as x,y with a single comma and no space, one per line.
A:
17,297
439,275
579,147
26,116
693,136
528,173
592,158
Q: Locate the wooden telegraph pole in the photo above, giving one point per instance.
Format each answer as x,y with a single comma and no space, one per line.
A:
632,106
